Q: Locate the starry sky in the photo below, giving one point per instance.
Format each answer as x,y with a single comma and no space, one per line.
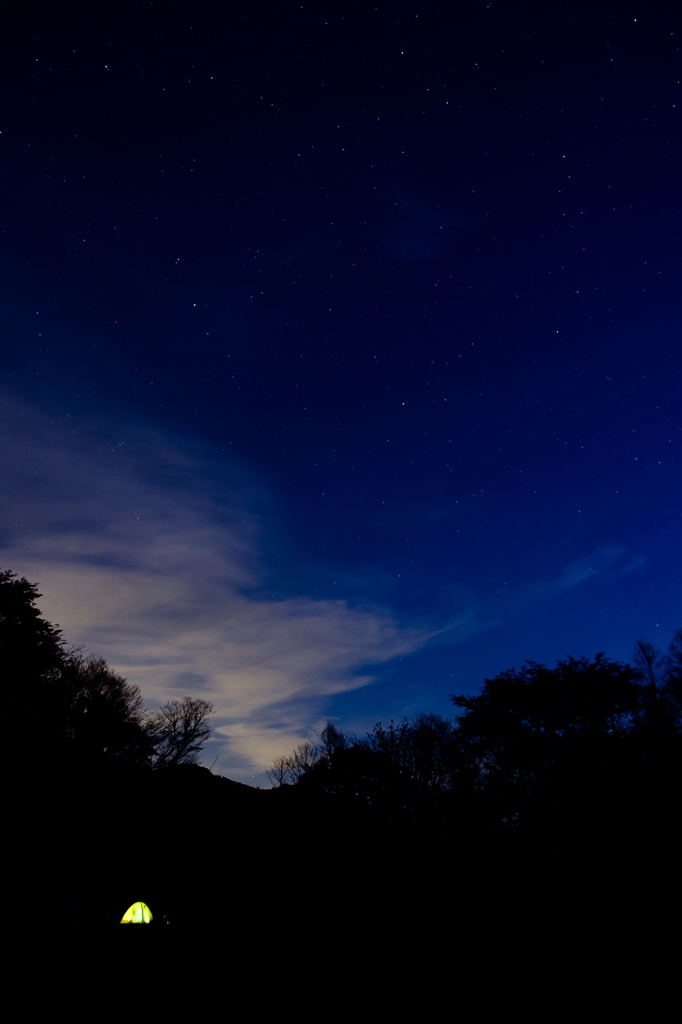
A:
341,346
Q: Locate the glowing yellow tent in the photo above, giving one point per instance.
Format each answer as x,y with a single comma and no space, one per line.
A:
138,913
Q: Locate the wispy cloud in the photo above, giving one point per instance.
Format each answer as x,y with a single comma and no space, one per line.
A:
146,552
592,565
151,555
506,603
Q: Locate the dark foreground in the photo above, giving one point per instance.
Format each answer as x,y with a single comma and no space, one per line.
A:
288,869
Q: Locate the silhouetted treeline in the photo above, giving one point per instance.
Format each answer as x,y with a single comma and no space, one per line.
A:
560,780
590,747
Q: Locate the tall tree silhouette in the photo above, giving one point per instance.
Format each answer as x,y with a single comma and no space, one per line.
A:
29,645
672,678
30,649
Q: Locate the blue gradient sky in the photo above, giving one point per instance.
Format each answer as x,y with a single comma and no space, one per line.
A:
341,348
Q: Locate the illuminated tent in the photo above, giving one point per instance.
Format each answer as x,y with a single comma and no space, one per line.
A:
138,913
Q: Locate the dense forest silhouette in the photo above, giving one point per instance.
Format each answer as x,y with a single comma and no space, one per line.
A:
564,779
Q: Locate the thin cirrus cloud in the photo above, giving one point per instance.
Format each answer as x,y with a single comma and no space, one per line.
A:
143,553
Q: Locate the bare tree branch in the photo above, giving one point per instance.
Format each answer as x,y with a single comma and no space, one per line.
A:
179,731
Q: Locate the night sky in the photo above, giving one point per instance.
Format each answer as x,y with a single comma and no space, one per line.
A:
341,351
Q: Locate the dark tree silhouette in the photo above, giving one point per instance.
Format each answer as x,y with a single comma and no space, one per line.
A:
179,730
672,678
30,650
426,749
411,773
279,771
286,771
657,718
555,746
649,665
102,713
597,696
360,780
331,740
29,645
